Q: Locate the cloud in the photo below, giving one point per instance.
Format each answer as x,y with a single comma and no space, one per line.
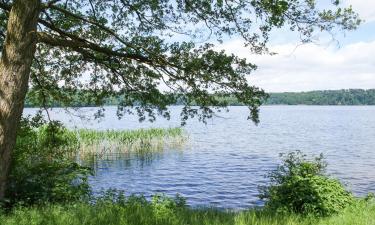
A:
365,8
311,67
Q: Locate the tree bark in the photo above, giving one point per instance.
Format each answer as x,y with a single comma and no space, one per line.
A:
15,65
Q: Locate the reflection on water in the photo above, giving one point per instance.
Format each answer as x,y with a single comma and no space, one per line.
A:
226,160
140,155
140,158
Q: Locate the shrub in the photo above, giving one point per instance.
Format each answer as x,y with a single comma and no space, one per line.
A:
301,186
43,168
159,210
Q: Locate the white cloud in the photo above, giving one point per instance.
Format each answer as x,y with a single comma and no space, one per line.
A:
365,8
315,67
311,67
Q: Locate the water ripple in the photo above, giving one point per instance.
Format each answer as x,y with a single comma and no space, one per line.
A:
226,160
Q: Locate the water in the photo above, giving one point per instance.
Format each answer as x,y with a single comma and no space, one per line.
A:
225,161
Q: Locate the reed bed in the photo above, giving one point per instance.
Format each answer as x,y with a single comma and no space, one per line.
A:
100,143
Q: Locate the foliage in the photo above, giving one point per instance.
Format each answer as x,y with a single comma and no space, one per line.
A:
328,97
339,97
333,97
138,211
131,48
300,186
42,168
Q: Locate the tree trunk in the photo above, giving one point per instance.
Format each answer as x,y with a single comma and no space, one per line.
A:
15,64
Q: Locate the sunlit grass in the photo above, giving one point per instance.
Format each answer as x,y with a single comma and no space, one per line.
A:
140,212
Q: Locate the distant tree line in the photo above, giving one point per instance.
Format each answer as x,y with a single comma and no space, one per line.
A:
328,97
337,97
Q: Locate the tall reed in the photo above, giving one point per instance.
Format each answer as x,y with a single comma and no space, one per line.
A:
122,141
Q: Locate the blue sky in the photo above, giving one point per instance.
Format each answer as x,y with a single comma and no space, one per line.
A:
348,62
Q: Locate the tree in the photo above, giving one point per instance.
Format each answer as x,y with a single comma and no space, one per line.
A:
152,52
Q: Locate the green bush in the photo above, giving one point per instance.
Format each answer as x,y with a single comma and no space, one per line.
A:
43,167
301,186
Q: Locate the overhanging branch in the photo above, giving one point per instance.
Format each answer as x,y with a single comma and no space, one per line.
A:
56,41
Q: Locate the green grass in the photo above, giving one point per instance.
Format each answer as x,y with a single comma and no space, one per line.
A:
120,141
160,213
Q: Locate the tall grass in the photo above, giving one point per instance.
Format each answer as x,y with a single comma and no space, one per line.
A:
136,211
121,141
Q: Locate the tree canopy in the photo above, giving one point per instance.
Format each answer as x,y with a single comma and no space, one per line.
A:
158,52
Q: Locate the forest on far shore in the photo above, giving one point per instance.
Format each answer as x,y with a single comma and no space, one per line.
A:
329,97
325,97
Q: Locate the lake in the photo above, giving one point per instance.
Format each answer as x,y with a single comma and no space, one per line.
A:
225,160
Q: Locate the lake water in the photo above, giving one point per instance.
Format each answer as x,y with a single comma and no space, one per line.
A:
225,160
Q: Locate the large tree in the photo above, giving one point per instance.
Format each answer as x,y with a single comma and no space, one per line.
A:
151,52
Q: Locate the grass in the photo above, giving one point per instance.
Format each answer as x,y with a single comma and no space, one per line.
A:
163,212
122,141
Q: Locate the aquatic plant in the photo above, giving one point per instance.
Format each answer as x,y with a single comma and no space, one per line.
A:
111,142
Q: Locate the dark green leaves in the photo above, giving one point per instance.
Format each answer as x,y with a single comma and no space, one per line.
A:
299,185
43,170
150,51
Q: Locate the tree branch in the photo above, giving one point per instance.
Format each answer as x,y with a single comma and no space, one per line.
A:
50,3
77,44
